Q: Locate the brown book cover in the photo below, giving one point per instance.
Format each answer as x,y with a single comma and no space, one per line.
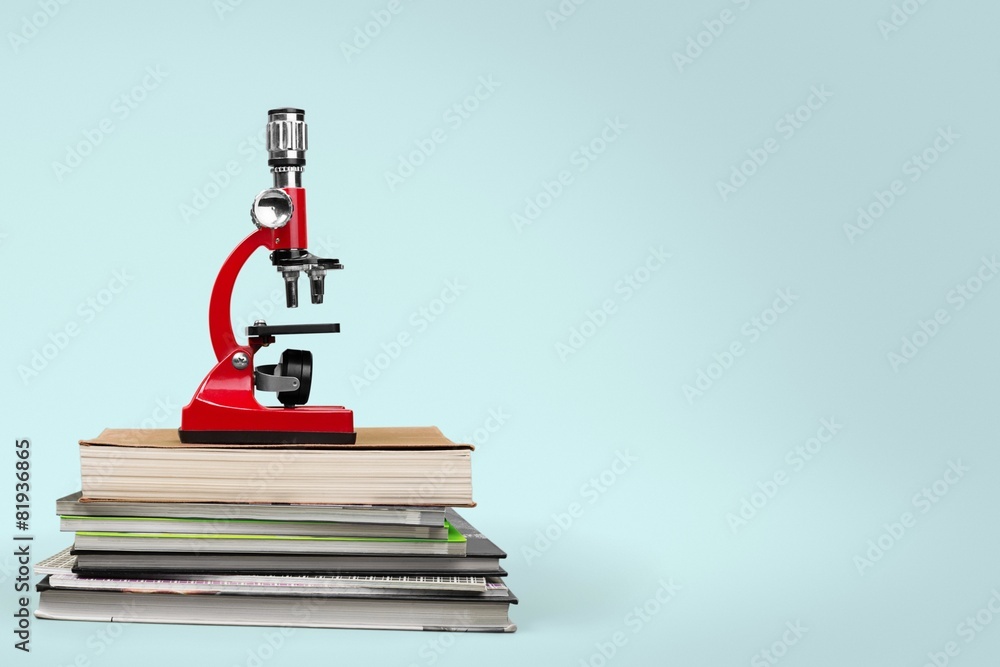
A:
371,437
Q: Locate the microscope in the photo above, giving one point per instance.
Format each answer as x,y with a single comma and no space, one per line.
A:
225,409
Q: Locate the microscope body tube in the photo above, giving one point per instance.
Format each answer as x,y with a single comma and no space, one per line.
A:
293,236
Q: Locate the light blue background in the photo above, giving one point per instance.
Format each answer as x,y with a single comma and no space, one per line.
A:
666,517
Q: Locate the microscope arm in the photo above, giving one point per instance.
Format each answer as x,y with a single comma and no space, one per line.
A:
220,322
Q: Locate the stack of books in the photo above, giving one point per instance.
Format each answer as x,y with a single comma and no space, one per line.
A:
346,536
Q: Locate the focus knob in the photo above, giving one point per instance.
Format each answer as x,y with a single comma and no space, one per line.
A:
272,209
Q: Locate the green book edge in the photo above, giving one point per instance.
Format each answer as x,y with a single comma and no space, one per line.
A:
453,536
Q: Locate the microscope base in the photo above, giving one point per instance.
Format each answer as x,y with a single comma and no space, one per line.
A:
266,438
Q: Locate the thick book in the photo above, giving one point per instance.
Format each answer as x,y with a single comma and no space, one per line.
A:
482,558
74,505
452,545
487,612
386,466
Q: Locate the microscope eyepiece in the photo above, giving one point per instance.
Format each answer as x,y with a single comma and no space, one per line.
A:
286,137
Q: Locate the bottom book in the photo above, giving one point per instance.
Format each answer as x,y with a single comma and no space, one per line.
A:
413,610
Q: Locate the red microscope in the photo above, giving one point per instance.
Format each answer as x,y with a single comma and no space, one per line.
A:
225,408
